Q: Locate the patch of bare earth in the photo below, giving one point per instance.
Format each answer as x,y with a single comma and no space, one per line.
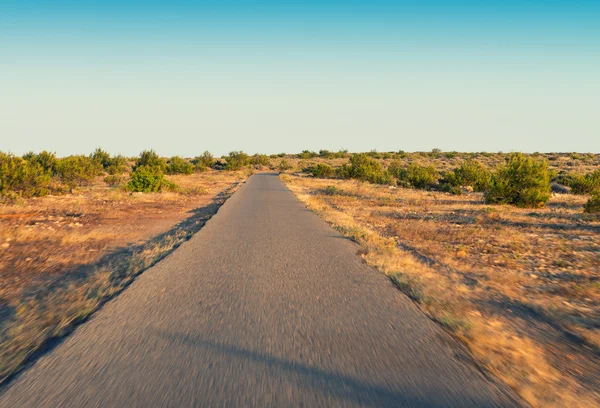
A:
519,286
61,257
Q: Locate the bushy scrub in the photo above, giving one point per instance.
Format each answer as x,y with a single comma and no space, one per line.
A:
236,160
260,160
45,159
101,157
583,184
307,154
203,162
22,177
149,179
284,165
364,167
331,190
321,170
593,204
470,173
178,165
116,165
149,158
524,181
74,171
112,165
415,175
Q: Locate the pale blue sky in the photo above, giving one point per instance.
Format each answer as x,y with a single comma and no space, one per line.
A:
182,77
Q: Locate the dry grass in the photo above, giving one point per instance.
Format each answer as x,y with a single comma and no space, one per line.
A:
61,257
520,287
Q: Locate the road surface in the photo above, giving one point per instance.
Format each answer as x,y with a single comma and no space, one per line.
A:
265,306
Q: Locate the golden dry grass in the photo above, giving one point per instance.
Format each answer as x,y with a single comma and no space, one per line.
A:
520,287
61,257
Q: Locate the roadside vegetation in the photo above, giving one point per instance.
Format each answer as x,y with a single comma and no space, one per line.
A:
74,231
502,250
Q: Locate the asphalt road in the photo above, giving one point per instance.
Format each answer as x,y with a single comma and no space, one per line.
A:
265,306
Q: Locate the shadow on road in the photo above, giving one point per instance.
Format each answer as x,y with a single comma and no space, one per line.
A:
319,381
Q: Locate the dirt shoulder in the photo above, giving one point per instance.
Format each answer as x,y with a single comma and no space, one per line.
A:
61,257
520,287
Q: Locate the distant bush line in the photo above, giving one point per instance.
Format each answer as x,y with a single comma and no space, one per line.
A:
518,179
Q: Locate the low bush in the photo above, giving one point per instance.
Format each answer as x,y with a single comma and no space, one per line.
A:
415,175
178,165
284,165
77,171
21,177
260,160
116,165
113,180
149,179
236,160
149,158
331,190
307,154
364,167
47,160
593,204
583,184
470,173
203,162
321,170
524,181
101,157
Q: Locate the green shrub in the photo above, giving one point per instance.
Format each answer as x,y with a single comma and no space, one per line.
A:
321,170
75,171
593,204
113,180
340,154
178,165
236,160
149,179
364,167
284,165
101,157
47,160
326,154
583,184
307,154
331,190
260,160
149,158
524,181
116,165
422,177
472,173
203,162
21,177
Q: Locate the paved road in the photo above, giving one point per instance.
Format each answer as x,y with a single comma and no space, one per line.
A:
265,306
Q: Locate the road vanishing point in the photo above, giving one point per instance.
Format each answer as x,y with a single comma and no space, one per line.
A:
266,306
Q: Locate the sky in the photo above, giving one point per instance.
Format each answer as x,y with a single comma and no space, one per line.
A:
182,77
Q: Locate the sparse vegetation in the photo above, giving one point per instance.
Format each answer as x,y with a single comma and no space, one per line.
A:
518,287
58,254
